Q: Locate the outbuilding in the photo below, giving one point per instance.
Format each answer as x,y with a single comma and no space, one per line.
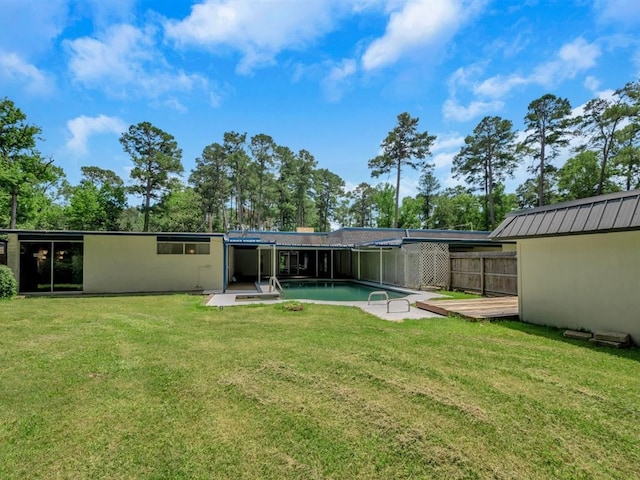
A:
579,263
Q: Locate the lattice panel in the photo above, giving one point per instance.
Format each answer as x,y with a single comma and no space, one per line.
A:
411,266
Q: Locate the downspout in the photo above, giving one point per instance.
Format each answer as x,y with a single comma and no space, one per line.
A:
358,264
331,253
259,255
273,261
380,265
225,273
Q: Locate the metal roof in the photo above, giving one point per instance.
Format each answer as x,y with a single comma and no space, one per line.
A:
349,237
605,213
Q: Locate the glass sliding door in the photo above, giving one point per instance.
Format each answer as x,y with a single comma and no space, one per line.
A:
35,266
51,266
67,266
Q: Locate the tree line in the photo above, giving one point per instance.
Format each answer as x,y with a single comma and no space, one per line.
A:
244,182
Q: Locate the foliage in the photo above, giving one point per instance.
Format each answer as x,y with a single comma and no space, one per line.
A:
162,387
210,180
175,212
547,124
257,184
411,212
329,188
602,119
262,149
626,157
362,206
580,176
156,156
486,159
8,283
457,209
21,165
428,189
292,306
383,204
528,193
97,202
236,157
403,146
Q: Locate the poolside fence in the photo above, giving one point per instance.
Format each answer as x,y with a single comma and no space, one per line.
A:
428,264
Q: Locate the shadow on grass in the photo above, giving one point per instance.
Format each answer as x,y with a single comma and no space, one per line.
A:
554,333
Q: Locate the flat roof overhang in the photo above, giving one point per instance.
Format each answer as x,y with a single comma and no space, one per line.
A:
81,233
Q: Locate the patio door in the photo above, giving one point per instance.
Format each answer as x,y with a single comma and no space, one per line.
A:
51,266
288,263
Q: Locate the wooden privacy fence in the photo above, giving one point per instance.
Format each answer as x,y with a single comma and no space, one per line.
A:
488,273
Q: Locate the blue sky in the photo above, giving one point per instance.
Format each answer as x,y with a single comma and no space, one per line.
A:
329,76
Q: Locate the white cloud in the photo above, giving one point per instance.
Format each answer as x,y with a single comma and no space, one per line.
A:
258,30
572,58
624,12
16,70
123,61
498,86
418,24
447,141
592,83
443,160
83,127
446,146
452,110
338,78
31,26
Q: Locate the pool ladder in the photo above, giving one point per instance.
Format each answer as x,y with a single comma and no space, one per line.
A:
274,285
388,300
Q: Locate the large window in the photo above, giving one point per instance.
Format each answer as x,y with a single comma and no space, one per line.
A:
51,266
175,246
3,253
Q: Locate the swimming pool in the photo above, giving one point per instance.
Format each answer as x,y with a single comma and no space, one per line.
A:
338,291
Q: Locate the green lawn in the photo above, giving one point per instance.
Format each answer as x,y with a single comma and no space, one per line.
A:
456,295
161,387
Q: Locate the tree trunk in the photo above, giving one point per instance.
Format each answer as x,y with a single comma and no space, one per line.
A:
492,213
603,167
14,208
147,205
395,212
541,178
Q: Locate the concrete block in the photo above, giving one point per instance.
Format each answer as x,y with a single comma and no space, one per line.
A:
577,335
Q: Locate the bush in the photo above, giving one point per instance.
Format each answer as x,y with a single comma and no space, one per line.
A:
292,306
8,283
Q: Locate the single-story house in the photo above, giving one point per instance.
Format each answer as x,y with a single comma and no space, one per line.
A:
120,262
579,263
114,262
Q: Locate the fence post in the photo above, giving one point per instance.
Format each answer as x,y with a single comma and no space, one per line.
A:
481,274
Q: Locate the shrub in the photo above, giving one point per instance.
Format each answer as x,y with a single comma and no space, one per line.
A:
8,283
292,306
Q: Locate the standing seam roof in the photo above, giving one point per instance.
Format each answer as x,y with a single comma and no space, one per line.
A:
616,211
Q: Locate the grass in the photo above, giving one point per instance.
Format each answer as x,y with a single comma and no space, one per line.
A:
456,295
162,387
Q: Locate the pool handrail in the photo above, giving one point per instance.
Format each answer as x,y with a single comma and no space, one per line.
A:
378,292
274,284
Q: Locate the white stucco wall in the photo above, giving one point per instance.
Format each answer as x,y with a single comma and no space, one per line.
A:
124,263
582,281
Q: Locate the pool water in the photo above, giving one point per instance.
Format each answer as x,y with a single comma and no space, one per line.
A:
333,291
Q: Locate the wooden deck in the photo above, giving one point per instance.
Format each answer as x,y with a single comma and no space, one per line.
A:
476,308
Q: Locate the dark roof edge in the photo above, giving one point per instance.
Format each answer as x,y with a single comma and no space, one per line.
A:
575,203
83,232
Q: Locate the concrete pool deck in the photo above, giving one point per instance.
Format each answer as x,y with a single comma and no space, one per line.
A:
397,309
